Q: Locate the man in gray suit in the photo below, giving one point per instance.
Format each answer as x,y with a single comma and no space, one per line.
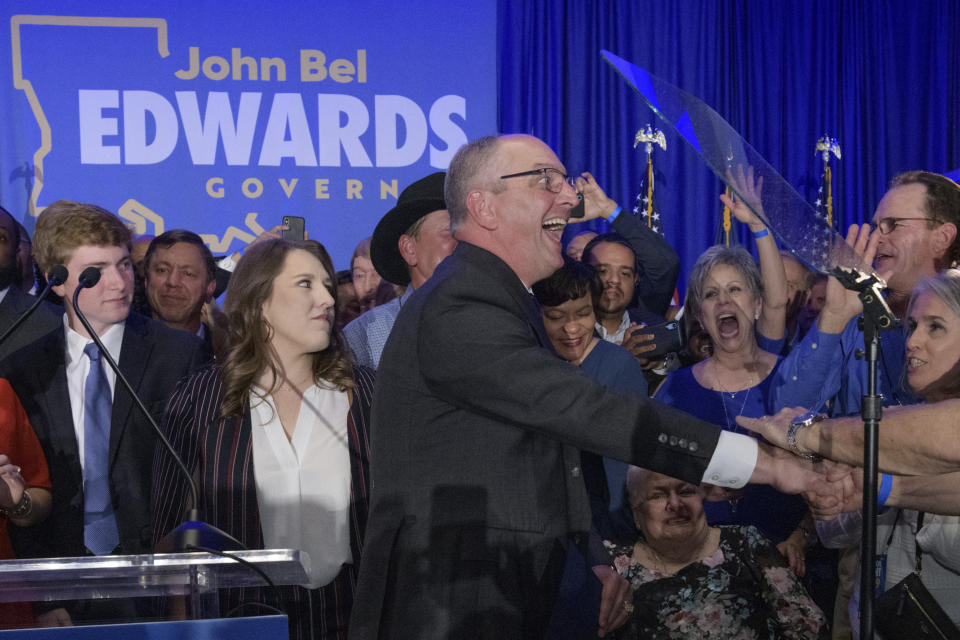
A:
477,425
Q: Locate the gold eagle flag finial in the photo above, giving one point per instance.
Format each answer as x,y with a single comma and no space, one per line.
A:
649,137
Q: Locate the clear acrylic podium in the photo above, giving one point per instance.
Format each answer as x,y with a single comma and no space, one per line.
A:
197,575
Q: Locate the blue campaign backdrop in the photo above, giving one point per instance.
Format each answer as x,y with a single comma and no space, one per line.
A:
881,76
222,117
94,109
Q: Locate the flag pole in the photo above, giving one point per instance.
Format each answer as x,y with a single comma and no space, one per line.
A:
649,137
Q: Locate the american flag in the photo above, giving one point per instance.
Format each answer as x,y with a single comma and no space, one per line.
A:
824,204
645,206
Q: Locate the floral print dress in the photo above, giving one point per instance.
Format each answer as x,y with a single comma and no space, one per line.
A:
745,590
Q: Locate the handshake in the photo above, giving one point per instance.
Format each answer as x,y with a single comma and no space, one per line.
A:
790,461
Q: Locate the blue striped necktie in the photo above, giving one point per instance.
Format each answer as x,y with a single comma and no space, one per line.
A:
99,523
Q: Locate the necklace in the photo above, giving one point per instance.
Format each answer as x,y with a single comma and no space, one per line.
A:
721,390
660,565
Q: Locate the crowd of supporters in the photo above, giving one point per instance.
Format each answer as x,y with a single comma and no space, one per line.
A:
261,369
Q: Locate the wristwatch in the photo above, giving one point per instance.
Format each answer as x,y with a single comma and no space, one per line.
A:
798,423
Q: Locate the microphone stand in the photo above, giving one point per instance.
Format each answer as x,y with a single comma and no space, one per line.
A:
194,534
876,317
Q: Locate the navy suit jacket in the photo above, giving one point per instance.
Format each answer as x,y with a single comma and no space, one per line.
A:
154,358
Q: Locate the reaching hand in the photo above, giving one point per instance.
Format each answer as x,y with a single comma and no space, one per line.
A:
746,207
844,491
789,474
773,428
596,204
841,305
616,599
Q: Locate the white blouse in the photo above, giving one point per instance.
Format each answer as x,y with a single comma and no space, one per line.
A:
303,484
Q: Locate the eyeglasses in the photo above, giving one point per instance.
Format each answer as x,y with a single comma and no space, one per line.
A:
887,225
551,179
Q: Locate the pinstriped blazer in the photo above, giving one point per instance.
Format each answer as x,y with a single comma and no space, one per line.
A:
219,452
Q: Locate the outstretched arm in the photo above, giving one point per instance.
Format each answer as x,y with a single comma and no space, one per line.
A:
747,208
915,440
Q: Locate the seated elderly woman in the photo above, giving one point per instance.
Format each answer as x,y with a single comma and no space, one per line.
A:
691,580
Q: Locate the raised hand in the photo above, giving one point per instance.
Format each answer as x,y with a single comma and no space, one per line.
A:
596,204
841,305
749,191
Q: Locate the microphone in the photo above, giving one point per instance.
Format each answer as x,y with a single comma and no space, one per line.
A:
193,534
89,278
57,276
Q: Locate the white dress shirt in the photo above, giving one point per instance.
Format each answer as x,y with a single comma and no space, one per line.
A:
78,366
303,483
617,336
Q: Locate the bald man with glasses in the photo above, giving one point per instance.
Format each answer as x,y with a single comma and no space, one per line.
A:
478,492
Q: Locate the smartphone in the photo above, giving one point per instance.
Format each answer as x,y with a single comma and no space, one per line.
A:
578,210
667,336
295,230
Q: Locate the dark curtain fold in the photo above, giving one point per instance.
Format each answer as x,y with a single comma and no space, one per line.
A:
881,76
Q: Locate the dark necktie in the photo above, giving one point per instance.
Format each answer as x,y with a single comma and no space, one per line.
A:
99,523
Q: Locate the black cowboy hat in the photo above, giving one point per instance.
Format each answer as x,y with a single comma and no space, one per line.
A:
417,200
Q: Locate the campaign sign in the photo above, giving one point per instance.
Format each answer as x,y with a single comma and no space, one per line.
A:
223,117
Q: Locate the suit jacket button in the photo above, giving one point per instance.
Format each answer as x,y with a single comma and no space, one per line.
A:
662,438
673,441
683,443
694,446
575,472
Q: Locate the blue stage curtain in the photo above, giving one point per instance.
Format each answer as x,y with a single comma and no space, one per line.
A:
881,76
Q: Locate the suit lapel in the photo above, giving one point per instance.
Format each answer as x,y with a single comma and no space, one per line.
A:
134,356
490,264
50,375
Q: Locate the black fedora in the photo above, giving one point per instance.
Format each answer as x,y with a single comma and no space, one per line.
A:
417,200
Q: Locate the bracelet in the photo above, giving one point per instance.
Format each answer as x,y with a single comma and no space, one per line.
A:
613,216
761,234
21,509
886,485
